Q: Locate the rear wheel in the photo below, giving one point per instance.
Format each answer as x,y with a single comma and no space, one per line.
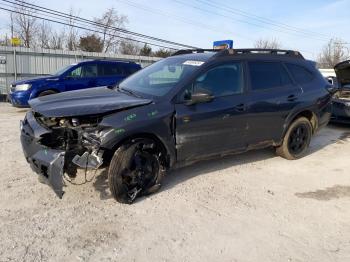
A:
135,170
297,139
47,92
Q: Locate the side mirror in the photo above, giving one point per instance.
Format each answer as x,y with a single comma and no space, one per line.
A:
200,97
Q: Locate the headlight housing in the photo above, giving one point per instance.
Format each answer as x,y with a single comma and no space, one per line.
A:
22,87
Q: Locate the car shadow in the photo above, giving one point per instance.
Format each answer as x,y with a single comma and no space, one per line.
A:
204,167
326,137
101,185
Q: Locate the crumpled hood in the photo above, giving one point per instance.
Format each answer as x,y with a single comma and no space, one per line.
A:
35,79
342,71
90,101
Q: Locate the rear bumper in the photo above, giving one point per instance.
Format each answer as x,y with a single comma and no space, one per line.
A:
48,163
341,111
19,99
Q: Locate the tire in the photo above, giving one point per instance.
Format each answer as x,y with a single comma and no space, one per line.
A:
135,170
297,140
47,92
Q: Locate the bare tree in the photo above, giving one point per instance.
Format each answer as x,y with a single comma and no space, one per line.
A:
266,43
44,35
129,48
5,41
24,24
109,23
73,33
333,53
57,40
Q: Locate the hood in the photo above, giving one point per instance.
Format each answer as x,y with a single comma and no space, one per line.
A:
35,79
342,71
90,101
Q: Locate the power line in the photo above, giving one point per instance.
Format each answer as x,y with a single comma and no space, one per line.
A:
188,21
77,18
259,18
85,28
246,22
99,25
180,18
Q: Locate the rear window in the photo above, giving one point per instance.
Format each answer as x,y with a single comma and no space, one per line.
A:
266,75
300,74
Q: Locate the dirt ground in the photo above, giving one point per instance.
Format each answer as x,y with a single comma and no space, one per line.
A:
250,207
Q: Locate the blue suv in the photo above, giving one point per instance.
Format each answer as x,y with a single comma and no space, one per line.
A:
82,75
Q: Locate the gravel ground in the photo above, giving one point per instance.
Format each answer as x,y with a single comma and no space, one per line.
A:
249,207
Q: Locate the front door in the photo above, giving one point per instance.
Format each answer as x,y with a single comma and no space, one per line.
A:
81,77
214,127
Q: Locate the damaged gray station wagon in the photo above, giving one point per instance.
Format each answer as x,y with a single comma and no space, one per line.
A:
194,105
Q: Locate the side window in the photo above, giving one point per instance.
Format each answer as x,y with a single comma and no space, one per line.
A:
75,73
300,74
89,70
110,69
221,80
266,75
130,70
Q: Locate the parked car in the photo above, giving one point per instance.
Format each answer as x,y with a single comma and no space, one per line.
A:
341,100
192,106
82,75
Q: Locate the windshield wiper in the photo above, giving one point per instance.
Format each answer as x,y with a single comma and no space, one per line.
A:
127,91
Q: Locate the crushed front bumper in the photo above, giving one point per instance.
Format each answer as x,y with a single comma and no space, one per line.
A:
48,163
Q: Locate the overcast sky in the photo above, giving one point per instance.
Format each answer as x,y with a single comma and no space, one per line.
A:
181,21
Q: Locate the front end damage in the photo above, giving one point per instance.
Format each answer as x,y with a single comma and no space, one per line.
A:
54,146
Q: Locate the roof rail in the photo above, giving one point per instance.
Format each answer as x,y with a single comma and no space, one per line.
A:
224,52
291,53
193,51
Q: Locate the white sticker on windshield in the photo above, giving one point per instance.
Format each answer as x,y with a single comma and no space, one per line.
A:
193,63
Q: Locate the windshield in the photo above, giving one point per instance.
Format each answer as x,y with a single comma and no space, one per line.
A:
159,78
62,70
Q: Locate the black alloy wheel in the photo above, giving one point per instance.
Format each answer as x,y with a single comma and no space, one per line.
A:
298,139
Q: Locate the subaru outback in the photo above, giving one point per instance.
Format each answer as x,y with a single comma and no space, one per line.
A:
194,105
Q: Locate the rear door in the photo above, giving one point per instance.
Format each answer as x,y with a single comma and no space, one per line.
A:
215,127
110,73
272,96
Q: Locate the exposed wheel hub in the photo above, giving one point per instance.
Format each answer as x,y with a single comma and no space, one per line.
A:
142,171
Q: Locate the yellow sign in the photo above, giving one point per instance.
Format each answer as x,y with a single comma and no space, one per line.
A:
15,41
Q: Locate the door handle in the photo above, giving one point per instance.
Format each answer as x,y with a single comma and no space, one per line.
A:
240,107
292,98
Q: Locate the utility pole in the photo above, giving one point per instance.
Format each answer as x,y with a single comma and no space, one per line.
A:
11,17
